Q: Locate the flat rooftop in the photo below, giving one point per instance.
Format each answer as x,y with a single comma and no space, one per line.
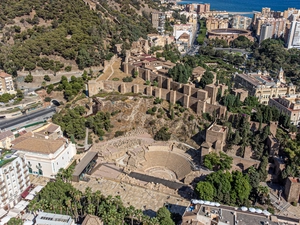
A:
53,219
224,214
260,79
217,128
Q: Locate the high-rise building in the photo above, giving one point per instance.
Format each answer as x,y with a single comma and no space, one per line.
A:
14,179
266,32
189,7
293,40
240,22
203,8
158,21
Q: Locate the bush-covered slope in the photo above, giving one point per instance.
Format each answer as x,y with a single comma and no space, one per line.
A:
31,31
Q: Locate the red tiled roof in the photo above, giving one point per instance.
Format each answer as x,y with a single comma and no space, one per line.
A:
3,74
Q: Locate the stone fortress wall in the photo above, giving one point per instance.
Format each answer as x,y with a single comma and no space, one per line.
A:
200,101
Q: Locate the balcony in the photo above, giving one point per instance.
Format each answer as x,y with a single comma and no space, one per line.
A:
24,166
18,165
2,195
2,187
19,176
18,170
21,186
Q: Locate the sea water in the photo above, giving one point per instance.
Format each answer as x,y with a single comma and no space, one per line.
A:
247,5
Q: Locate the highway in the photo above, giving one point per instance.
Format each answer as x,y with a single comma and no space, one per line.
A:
36,116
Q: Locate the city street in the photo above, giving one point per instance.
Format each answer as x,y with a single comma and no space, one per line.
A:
36,116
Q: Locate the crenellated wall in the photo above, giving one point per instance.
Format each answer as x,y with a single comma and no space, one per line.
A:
189,101
201,101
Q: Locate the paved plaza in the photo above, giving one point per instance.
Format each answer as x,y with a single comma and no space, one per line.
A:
141,198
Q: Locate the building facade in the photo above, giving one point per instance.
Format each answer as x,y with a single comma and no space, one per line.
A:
6,138
158,21
264,87
45,150
266,32
292,189
293,40
240,22
290,105
14,179
6,83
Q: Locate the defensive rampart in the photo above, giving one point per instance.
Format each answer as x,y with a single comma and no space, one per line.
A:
188,96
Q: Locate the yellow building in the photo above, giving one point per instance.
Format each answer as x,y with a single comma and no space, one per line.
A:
264,87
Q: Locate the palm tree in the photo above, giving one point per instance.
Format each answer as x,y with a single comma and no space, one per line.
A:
262,192
130,213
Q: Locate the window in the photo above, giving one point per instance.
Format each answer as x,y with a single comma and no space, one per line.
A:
7,176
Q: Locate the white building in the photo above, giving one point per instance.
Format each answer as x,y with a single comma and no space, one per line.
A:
6,83
288,104
14,180
266,32
293,40
45,150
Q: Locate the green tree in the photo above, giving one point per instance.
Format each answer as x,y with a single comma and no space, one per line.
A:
254,177
162,134
205,191
262,169
164,216
47,78
213,161
28,78
15,221
241,188
135,74
206,79
180,73
20,94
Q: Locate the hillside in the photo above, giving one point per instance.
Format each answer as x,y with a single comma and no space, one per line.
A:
33,33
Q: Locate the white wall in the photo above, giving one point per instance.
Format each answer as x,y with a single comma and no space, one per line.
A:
50,164
11,179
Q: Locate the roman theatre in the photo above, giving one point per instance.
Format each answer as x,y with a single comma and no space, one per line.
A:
140,160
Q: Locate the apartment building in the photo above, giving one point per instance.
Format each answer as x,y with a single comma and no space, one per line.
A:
6,83
264,87
266,32
240,22
293,40
213,23
14,179
158,21
288,104
45,150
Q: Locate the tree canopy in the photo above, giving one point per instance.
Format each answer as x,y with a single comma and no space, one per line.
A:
228,188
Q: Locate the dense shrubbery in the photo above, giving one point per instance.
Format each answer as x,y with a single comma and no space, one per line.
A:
225,187
74,124
162,135
72,35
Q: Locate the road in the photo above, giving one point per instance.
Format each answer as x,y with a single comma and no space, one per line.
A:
38,115
194,47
